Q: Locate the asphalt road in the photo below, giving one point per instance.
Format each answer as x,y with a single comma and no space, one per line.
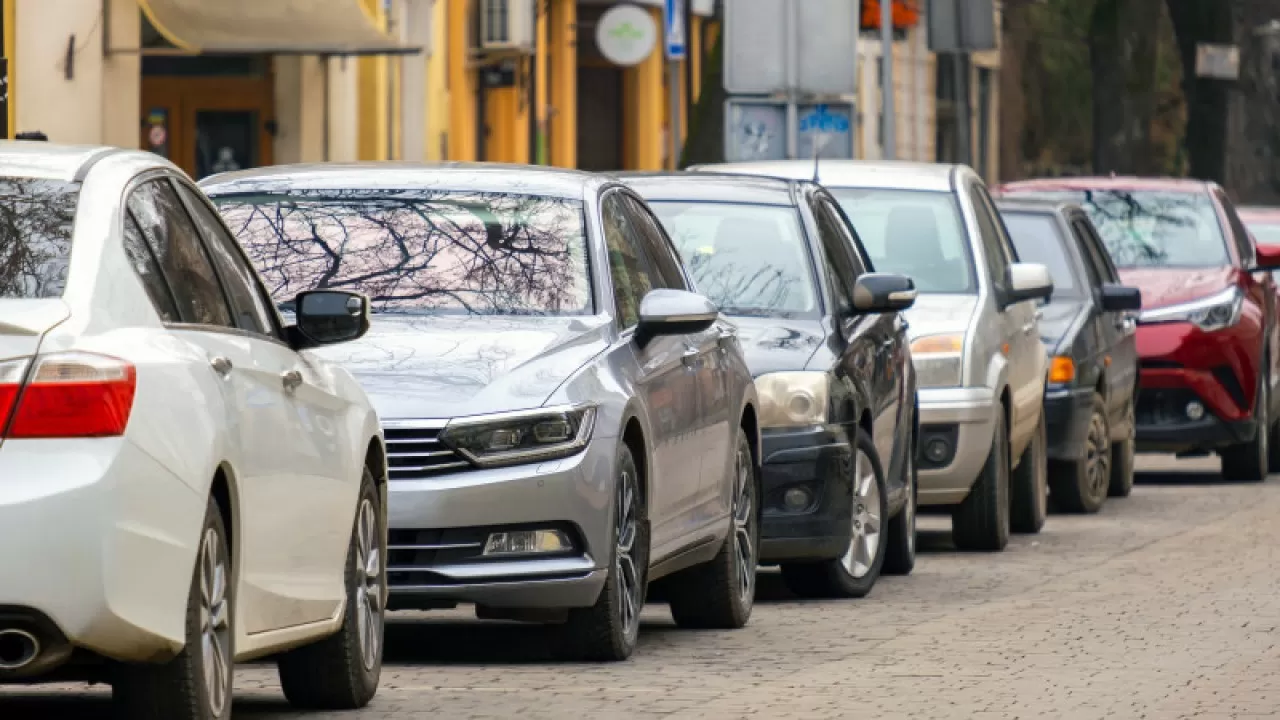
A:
1164,605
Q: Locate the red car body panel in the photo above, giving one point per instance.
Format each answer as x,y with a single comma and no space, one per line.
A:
1221,368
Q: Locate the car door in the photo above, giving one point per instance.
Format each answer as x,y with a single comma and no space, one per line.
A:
715,421
1262,288
665,380
1118,329
1019,327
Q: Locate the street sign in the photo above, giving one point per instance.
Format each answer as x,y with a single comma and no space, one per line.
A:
676,34
791,46
1221,62
626,34
757,130
829,127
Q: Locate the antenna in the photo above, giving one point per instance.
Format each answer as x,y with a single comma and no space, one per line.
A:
819,144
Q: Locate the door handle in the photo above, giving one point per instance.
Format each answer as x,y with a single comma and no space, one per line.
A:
1029,328
690,357
1039,315
291,380
221,365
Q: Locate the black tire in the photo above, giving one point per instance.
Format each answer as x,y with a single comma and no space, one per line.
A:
609,630
721,593
900,550
981,522
834,578
179,688
1247,462
1029,486
1122,464
341,672
1081,486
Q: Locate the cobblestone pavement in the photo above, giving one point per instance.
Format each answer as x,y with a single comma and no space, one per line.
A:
1165,605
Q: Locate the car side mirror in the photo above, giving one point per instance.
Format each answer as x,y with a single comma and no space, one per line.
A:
326,317
673,312
1268,257
883,292
1119,298
1027,281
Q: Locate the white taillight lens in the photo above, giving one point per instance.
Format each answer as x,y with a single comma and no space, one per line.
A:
73,394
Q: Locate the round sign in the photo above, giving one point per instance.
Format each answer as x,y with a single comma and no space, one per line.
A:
626,35
157,135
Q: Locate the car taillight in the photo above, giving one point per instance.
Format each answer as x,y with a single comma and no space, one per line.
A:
71,394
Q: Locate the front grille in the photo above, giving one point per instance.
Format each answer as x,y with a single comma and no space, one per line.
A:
416,452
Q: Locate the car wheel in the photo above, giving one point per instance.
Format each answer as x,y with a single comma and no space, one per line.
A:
900,550
1081,486
1248,461
853,574
720,593
1122,460
981,522
1030,485
341,672
197,684
609,629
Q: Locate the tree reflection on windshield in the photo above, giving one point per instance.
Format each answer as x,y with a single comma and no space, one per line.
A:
420,251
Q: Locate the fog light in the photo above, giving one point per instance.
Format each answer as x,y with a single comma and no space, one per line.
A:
796,499
1195,410
936,450
519,542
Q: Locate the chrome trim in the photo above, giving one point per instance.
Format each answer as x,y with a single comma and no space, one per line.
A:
466,420
427,424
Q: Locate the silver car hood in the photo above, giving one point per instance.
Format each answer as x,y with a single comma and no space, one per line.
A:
415,367
939,313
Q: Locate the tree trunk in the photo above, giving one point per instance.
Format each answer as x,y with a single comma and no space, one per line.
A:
1123,49
1253,138
705,143
1194,22
1015,35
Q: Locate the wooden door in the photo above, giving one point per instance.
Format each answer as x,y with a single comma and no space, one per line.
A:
207,125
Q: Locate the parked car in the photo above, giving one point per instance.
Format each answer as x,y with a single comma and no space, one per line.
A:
567,420
1207,337
978,358
1088,328
186,483
828,348
1264,224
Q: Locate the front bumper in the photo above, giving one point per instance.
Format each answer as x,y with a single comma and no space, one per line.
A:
1163,426
101,543
1067,412
967,415
439,524
817,462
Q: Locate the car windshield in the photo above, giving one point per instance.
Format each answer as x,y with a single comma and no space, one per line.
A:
420,252
912,232
748,259
1150,228
1038,239
36,219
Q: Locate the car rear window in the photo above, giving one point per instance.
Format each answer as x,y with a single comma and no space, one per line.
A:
36,218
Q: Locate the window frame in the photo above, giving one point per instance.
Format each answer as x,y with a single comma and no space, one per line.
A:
829,260
605,196
651,232
996,248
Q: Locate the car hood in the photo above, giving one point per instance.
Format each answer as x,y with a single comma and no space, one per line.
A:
939,313
1170,286
778,345
1057,319
444,367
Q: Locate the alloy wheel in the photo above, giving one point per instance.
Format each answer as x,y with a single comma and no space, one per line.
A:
744,509
1098,458
215,622
627,576
369,588
864,538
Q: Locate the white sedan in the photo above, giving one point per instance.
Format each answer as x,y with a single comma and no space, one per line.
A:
183,484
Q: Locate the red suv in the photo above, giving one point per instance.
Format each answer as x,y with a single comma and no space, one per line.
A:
1207,333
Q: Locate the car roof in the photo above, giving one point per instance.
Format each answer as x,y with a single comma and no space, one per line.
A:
851,173
56,161
1116,182
455,176
711,187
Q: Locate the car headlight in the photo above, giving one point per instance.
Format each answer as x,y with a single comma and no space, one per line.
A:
937,359
1215,312
792,399
520,437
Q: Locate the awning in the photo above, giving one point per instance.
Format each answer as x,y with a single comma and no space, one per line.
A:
310,27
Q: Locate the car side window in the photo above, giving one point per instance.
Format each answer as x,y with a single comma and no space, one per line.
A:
994,242
835,258
182,257
243,289
1244,244
662,254
629,267
148,270
854,252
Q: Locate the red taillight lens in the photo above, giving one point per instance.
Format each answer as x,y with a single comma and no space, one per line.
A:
11,374
74,395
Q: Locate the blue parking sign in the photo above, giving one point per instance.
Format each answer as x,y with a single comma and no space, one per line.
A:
676,34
